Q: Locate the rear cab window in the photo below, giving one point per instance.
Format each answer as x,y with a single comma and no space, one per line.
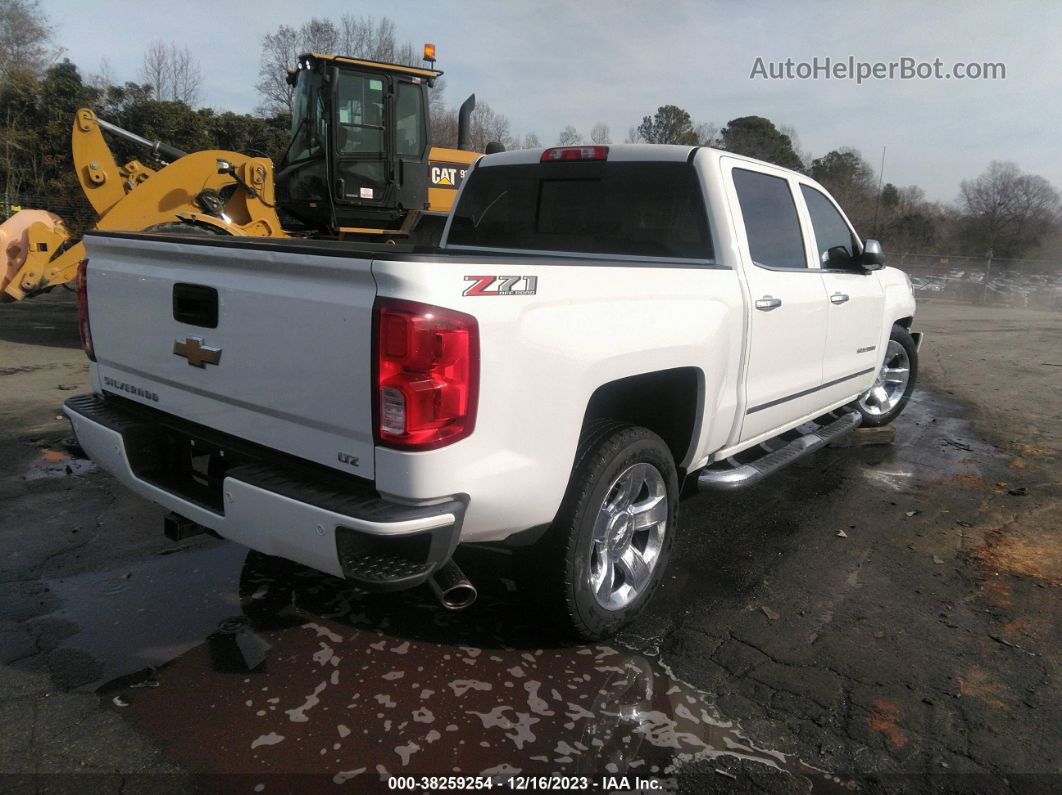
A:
637,209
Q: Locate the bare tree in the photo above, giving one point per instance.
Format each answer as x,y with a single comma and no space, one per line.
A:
279,51
531,141
794,140
155,68
488,126
172,72
1007,212
319,35
185,76
368,38
569,137
444,127
25,38
358,37
104,78
600,134
707,133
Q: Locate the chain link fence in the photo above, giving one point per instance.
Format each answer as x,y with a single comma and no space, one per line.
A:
1031,283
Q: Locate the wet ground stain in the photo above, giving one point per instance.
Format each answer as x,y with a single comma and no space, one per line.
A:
51,463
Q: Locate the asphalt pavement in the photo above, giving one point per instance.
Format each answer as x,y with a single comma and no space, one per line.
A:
875,618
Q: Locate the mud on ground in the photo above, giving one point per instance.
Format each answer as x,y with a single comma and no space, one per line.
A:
880,618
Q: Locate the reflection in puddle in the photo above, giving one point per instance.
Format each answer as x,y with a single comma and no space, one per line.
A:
304,675
148,613
57,464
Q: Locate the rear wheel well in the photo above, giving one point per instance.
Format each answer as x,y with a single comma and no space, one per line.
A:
666,402
906,322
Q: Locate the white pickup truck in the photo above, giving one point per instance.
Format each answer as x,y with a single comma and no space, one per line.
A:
663,315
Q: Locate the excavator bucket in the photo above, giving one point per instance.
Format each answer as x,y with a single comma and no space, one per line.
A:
26,234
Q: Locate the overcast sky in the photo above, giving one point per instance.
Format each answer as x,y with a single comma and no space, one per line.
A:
548,64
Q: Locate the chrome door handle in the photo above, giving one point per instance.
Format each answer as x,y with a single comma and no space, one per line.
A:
838,298
767,303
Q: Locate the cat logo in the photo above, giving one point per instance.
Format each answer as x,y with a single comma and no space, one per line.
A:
447,175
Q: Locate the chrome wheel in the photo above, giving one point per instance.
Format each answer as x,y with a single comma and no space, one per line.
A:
628,536
891,382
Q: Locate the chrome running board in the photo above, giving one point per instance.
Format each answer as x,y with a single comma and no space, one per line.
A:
729,475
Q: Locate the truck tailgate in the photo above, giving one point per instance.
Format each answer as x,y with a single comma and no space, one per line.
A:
292,341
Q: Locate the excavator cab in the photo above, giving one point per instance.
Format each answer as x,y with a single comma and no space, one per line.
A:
358,159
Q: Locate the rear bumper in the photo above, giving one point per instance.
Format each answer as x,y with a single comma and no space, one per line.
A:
334,523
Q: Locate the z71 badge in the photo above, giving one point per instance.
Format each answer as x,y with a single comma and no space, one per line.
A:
501,285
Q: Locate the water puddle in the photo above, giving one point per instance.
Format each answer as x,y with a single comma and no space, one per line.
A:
152,611
932,443
256,667
57,464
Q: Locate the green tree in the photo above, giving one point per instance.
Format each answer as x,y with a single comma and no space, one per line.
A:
890,196
669,125
62,93
851,180
19,152
757,137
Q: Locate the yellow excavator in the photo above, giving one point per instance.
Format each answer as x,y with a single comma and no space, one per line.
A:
359,165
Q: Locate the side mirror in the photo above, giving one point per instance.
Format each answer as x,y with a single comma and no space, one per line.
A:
838,257
872,258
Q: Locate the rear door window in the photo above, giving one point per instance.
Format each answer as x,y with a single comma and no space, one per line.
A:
771,222
637,209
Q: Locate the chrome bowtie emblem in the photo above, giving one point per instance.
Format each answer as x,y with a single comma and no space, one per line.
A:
197,354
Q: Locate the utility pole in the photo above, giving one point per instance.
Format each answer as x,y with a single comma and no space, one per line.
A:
881,176
988,273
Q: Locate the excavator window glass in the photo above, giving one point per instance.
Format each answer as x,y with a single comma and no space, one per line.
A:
409,121
307,119
360,114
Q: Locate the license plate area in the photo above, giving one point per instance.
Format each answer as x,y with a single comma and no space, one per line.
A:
190,468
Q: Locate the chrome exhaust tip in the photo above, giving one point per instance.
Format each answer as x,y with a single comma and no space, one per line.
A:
452,588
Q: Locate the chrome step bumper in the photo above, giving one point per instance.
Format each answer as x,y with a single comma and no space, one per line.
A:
729,475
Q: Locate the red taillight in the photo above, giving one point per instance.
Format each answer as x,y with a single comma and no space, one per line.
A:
83,311
426,363
574,153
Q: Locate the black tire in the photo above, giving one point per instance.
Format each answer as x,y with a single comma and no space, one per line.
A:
556,571
874,419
